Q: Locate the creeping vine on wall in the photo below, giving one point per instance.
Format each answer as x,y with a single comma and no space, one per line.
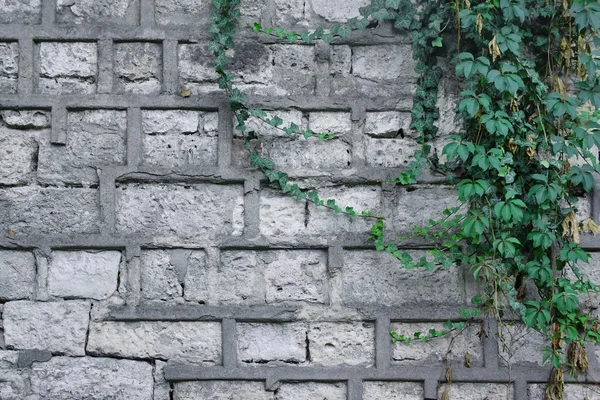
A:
527,151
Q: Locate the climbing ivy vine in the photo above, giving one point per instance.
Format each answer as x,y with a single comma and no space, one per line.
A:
526,153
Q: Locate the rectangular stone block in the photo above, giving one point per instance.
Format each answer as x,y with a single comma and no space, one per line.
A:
25,119
371,277
17,274
70,378
182,12
163,272
384,62
95,139
97,11
337,123
390,153
417,207
288,13
18,154
37,210
196,68
521,345
571,392
67,67
309,154
471,391
311,390
387,124
180,138
264,130
183,210
280,215
83,274
342,343
20,12
138,67
436,350
59,327
336,10
247,390
373,390
198,342
273,344
9,66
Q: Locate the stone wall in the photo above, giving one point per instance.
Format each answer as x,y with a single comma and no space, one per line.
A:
140,256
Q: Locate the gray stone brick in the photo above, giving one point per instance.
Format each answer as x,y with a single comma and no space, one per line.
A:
196,279
68,67
294,68
239,279
336,10
436,350
337,123
518,344
182,12
137,68
388,124
247,390
179,138
571,392
25,119
20,12
17,274
18,154
198,342
83,274
72,378
276,344
95,139
59,327
280,216
180,210
417,207
162,388
396,152
163,272
342,343
384,62
472,391
264,130
311,390
196,69
340,60
370,277
288,12
103,11
373,390
310,154
35,210
9,66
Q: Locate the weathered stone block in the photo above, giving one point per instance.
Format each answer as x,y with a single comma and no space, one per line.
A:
311,390
196,69
104,11
9,66
17,274
179,138
83,274
387,124
470,391
196,278
337,123
163,273
434,351
138,68
294,69
20,12
311,153
342,343
281,215
283,343
25,119
384,62
373,390
337,10
295,275
13,383
35,210
417,207
265,130
95,138
521,345
340,60
162,388
68,67
198,342
288,12
18,154
390,152
68,378
59,327
180,210
239,279
571,392
247,390
370,277
182,12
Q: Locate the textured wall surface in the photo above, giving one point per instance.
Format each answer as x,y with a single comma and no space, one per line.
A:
141,258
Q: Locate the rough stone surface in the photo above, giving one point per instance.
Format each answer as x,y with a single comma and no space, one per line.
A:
59,327
470,391
17,274
521,345
387,153
222,390
436,350
68,67
281,216
272,343
370,277
392,391
386,62
180,12
25,119
310,153
83,274
342,343
336,123
571,392
66,378
35,210
172,209
18,154
337,11
387,124
198,342
9,67
178,138
20,12
95,139
138,68
311,390
162,273
162,389
103,11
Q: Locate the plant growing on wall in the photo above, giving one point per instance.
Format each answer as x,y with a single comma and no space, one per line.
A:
527,151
